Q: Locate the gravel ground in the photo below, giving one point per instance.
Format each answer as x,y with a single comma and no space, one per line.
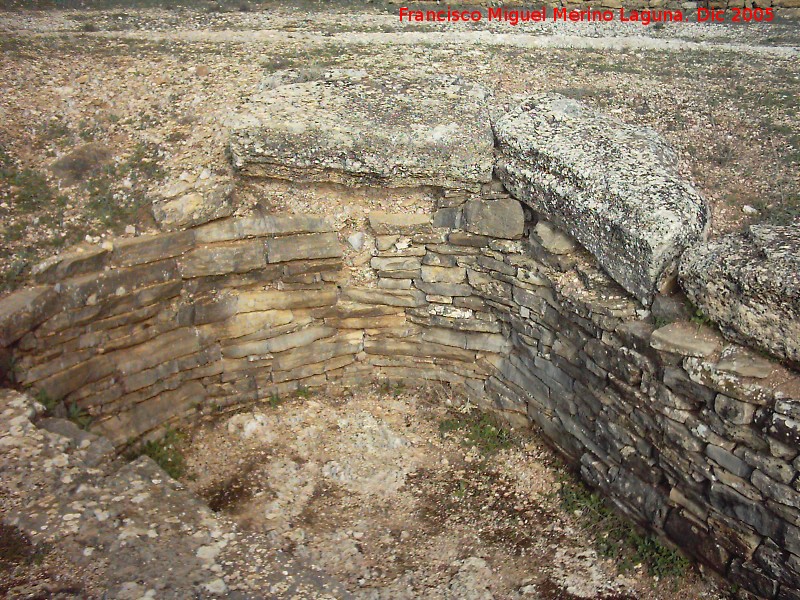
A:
389,491
101,111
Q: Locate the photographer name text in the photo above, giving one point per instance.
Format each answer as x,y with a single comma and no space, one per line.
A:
643,17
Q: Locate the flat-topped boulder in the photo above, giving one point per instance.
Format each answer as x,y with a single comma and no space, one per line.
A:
351,128
750,285
611,186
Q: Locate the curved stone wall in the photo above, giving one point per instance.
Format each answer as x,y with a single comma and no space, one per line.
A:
690,435
693,436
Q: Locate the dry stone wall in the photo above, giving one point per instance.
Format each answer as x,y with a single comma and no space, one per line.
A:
690,435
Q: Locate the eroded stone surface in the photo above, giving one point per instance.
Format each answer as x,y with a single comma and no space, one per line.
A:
118,525
750,285
686,339
611,186
180,205
356,129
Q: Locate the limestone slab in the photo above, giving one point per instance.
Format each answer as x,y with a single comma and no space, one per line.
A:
444,275
259,226
303,247
406,299
21,310
150,248
750,285
238,257
359,129
502,218
195,207
277,299
82,259
686,339
611,186
400,263
384,223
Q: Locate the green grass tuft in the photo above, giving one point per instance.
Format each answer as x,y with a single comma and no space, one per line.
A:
482,432
49,403
79,416
167,452
274,400
617,538
302,392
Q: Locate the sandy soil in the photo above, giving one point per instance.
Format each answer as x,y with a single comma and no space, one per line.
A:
388,490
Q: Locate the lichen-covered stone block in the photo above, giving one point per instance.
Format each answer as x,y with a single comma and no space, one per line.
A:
358,129
611,186
750,285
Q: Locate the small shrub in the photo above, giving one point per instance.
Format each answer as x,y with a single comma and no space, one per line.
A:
79,416
55,130
302,392
387,387
701,319
661,322
83,162
49,403
461,490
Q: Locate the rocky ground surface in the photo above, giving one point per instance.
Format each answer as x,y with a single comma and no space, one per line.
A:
80,522
106,114
404,493
375,492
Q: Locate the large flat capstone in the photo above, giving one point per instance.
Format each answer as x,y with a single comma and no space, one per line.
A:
352,128
750,285
611,186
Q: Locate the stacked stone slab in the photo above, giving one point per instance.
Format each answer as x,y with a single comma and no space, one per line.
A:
692,436
611,186
350,127
750,285
695,437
